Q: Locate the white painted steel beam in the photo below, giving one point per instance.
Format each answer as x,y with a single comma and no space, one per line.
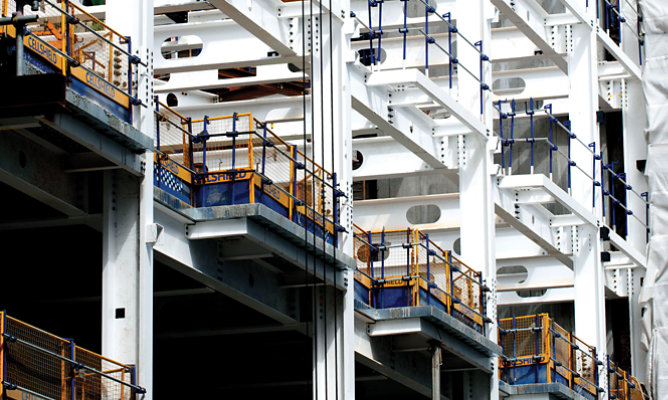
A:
199,260
372,103
171,6
244,51
208,80
541,273
531,233
383,158
401,78
400,367
553,295
529,17
260,18
391,213
627,249
519,182
616,51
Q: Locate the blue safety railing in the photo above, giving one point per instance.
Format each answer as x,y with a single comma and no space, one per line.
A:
374,32
602,176
612,18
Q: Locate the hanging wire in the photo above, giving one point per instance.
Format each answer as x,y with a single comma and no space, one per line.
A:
314,291
322,196
334,202
312,379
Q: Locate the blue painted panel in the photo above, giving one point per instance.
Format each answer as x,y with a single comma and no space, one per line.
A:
261,197
312,227
558,378
171,184
221,194
39,63
395,297
361,293
80,87
99,98
526,374
431,300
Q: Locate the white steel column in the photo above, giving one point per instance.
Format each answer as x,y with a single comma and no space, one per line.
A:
588,273
330,96
128,269
475,165
342,32
635,148
436,360
634,116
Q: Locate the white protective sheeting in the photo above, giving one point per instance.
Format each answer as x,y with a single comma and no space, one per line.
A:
655,15
654,294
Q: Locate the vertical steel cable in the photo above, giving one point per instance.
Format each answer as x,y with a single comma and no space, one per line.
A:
322,195
334,200
311,378
314,294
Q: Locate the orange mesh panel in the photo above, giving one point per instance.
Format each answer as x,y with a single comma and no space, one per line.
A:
219,148
585,365
43,372
90,385
466,285
277,165
525,342
562,351
397,259
96,54
362,252
636,393
33,369
173,135
616,381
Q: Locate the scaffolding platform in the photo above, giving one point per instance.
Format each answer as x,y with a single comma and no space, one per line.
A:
258,232
404,268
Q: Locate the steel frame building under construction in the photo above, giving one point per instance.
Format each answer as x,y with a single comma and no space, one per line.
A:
380,199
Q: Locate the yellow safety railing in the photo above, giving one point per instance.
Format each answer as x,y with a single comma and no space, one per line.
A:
537,350
623,386
407,257
81,46
38,364
238,148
